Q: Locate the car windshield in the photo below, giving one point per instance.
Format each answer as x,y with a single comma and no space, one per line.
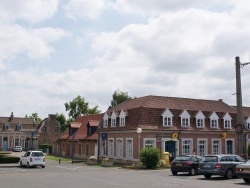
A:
210,159
182,158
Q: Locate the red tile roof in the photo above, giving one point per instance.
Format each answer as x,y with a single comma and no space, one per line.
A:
175,103
81,133
75,125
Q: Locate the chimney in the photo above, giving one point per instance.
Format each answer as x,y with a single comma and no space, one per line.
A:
220,100
11,117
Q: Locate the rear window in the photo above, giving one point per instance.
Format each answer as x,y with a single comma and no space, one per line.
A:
182,158
210,159
37,154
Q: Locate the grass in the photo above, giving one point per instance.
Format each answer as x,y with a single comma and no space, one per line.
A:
56,158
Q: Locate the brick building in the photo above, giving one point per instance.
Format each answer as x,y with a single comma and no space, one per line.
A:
79,140
174,125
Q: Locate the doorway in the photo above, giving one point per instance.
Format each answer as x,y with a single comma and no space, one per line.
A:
170,146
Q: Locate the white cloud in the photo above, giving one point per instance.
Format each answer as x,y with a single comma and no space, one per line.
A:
31,11
84,9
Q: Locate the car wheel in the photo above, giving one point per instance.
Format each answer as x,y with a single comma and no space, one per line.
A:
28,165
229,174
21,164
192,172
174,173
247,180
208,176
43,166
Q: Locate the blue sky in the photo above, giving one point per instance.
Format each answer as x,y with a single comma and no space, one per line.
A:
53,50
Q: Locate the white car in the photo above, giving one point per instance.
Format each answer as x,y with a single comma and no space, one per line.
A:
243,171
18,148
33,158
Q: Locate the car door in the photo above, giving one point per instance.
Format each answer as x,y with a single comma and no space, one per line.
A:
25,158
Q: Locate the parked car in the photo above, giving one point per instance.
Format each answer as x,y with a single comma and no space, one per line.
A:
33,158
185,163
243,171
18,148
223,165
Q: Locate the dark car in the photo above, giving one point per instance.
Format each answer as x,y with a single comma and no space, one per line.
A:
186,163
223,165
243,171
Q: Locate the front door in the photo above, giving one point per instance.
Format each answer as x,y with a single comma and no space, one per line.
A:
5,143
170,147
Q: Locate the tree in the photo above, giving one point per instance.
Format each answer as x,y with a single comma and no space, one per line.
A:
62,120
78,107
119,97
35,117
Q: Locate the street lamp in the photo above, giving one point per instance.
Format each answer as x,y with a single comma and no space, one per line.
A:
139,131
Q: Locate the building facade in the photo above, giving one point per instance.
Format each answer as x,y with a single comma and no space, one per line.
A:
179,126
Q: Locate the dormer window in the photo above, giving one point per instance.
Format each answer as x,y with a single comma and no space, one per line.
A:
167,118
105,120
122,119
227,121
113,119
18,127
6,126
44,129
200,120
247,124
185,119
214,120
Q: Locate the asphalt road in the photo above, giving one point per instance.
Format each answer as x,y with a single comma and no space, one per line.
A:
67,175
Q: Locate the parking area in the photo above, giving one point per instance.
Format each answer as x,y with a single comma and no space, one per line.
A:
81,175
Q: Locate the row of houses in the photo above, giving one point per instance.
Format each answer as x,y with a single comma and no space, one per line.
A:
172,124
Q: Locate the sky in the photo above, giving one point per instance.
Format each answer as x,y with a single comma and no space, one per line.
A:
51,51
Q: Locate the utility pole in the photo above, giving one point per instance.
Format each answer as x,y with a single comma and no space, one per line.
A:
241,149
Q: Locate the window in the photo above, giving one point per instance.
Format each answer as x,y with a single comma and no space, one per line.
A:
44,129
185,119
103,147
57,130
227,121
119,148
200,120
113,122
18,127
202,147
200,123
167,121
167,118
111,147
6,126
214,123
80,149
215,147
229,147
105,123
186,147
26,143
16,142
129,148
184,122
122,118
149,143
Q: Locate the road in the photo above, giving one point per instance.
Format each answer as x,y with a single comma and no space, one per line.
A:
67,175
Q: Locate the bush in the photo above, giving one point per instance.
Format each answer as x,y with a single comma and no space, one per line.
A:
8,159
44,147
150,157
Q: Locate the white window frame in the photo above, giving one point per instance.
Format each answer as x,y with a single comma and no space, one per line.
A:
185,119
227,121
111,147
167,118
105,120
119,148
216,150
122,119
200,120
214,121
103,151
148,145
187,142
202,146
129,148
17,142
233,145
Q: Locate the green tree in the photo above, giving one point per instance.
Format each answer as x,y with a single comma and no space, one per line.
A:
78,107
150,157
62,120
35,117
119,97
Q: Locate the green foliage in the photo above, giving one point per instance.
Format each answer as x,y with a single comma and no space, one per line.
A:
78,107
119,97
62,120
5,158
35,117
150,157
44,147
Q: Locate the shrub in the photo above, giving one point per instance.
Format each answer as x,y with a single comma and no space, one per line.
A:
150,157
8,159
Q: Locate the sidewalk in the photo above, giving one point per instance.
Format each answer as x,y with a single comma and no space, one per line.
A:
9,165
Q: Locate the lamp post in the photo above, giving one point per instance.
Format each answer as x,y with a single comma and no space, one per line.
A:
139,131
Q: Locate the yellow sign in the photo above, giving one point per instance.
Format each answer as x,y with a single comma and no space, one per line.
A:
224,135
175,135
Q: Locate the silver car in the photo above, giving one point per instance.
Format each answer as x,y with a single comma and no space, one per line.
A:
33,158
223,165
